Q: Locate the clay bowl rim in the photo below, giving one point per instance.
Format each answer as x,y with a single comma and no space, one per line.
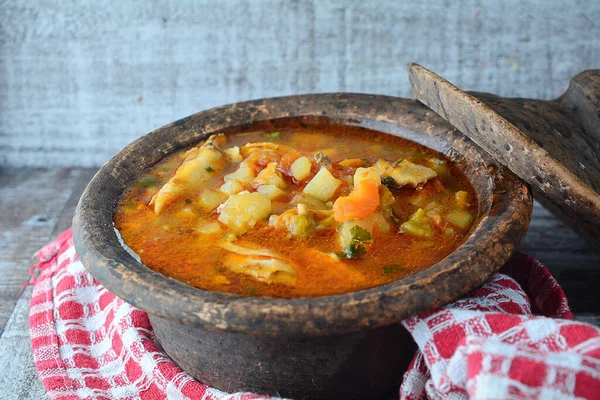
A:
488,247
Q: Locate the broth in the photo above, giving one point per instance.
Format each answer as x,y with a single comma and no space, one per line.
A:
299,212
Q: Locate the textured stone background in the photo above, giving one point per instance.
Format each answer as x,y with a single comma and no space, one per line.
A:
79,80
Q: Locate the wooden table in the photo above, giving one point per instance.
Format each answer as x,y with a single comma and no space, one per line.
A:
37,204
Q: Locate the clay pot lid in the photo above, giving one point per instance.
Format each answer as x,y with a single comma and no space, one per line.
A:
552,145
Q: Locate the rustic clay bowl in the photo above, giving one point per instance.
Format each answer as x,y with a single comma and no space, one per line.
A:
343,346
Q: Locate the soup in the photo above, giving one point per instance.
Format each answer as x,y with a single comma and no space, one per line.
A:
298,212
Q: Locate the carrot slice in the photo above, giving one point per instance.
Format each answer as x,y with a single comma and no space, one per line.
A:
360,203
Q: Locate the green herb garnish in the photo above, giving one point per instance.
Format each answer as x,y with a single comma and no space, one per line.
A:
393,268
272,136
360,234
209,169
389,181
149,181
354,250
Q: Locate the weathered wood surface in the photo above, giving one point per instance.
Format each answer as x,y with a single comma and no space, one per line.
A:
79,81
552,145
37,204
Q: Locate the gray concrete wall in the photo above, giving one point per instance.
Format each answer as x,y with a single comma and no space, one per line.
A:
80,79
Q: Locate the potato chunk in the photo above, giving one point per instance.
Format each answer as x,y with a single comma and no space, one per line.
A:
323,185
300,169
210,199
460,218
232,186
270,176
363,174
234,154
242,211
244,174
271,191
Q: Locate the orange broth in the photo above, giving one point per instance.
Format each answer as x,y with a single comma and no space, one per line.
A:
170,242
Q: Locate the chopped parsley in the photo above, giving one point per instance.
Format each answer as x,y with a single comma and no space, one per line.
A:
360,234
272,136
209,169
356,248
393,268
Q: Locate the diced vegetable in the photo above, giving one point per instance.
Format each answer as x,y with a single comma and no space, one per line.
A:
449,231
363,174
288,159
353,238
312,202
216,140
418,224
410,174
244,174
440,167
360,203
460,218
300,169
461,197
210,199
231,186
271,191
242,211
302,225
270,176
234,154
348,230
380,222
386,198
323,185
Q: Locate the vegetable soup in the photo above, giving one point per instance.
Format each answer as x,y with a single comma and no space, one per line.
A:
297,212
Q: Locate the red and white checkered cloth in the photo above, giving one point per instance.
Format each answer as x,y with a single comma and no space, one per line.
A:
87,343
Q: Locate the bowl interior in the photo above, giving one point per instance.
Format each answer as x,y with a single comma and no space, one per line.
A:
504,212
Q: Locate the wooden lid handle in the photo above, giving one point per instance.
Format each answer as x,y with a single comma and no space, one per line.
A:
552,145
